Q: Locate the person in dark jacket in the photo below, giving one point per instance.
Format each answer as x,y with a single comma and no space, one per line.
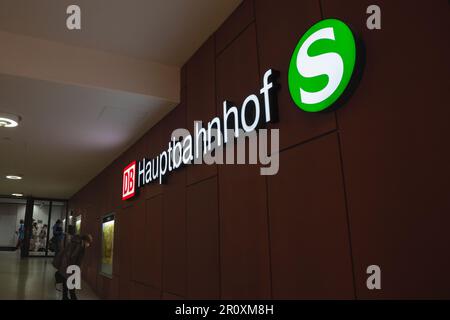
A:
20,234
71,254
58,234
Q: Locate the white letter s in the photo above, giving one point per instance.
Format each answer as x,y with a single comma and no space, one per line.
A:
330,64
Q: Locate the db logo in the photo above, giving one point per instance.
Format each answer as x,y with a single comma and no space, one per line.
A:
128,185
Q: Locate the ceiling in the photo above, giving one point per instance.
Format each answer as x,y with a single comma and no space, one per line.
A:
71,130
68,133
165,31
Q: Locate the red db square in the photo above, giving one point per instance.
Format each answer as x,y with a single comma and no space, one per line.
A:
128,181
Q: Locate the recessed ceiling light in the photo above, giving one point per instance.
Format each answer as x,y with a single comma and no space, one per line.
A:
9,120
13,177
17,194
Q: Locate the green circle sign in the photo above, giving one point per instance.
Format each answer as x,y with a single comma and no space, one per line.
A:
322,65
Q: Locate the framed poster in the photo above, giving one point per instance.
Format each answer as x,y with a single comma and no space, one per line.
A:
107,245
78,225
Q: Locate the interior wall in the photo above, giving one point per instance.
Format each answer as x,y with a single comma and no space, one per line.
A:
20,213
8,218
366,184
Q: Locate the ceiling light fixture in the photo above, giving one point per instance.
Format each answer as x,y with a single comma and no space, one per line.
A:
13,177
17,194
9,120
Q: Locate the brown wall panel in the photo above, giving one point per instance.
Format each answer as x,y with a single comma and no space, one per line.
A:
139,245
90,262
108,186
125,289
237,74
235,24
183,76
174,214
125,239
203,240
394,144
143,292
153,226
201,100
244,245
174,238
99,286
170,296
114,289
310,249
99,201
91,276
174,120
104,286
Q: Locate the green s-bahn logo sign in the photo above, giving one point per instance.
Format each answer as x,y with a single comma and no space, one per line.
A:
322,65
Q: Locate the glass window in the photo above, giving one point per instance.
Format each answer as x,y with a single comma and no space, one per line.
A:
11,212
107,245
58,213
39,228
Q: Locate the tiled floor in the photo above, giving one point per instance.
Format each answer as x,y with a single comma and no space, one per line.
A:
31,278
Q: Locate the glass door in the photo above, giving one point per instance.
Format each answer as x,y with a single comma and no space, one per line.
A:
39,228
33,226
58,223
47,227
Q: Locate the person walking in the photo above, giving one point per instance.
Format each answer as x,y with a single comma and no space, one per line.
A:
71,254
21,234
58,234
